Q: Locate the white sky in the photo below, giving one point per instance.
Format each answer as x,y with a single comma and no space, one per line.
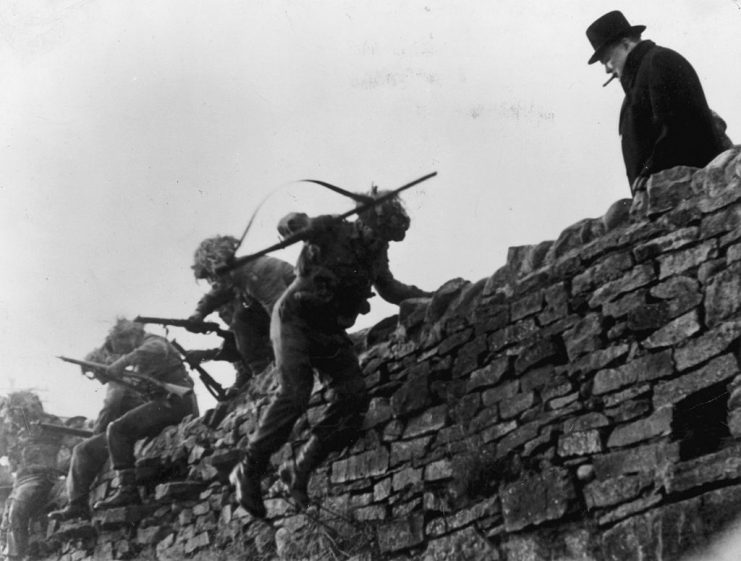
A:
130,131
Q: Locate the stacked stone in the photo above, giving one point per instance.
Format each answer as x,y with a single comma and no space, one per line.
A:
581,403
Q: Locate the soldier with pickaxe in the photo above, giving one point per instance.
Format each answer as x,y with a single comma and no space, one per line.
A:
341,261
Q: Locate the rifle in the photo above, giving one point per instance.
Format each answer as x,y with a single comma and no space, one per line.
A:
195,326
302,235
64,430
101,372
213,387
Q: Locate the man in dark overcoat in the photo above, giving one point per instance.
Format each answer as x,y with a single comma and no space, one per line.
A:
665,120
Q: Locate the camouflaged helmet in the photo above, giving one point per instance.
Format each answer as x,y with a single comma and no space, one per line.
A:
20,408
124,332
212,253
389,219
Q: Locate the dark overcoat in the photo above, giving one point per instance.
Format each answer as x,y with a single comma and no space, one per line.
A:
665,120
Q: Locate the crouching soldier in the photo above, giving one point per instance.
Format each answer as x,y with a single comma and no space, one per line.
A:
154,357
244,299
339,264
90,455
32,454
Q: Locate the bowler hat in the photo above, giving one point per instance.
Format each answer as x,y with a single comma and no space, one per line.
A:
608,29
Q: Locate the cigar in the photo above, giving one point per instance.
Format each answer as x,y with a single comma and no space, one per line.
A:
610,80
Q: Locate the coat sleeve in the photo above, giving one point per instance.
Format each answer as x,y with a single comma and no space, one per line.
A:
218,296
389,288
678,109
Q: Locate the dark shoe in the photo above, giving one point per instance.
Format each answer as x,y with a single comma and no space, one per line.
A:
246,482
298,485
127,493
75,509
296,473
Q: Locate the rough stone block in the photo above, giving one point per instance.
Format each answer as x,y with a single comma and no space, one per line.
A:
379,411
608,269
515,405
429,421
513,334
536,499
361,466
622,306
665,244
725,220
112,518
441,469
669,188
469,356
723,295
722,368
709,344
646,458
408,477
601,494
526,305
711,468
633,279
648,367
545,350
674,332
488,375
412,396
683,260
401,534
681,292
466,544
406,450
584,337
454,341
580,443
505,391
658,424
178,490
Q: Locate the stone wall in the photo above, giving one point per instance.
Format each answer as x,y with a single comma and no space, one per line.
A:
581,403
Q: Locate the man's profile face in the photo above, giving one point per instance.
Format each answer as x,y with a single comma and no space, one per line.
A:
614,57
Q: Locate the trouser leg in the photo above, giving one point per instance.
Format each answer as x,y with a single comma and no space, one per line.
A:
341,421
88,459
296,381
144,421
251,328
26,500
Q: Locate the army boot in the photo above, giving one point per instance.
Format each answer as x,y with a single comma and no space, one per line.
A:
296,474
126,494
245,478
76,508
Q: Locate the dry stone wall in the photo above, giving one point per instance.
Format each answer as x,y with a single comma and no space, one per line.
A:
582,403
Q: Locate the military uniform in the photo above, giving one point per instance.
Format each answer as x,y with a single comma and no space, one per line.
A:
34,456
90,455
339,264
245,298
156,358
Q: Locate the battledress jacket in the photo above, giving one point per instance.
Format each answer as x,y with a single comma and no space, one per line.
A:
263,280
157,358
339,265
665,120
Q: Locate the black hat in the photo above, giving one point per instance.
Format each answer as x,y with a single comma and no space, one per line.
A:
608,29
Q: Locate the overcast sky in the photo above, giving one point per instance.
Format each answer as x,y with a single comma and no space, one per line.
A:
130,131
